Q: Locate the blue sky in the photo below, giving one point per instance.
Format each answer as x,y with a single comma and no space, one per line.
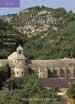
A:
67,4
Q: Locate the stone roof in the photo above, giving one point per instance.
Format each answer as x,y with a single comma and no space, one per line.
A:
19,47
54,63
21,65
12,56
16,56
20,57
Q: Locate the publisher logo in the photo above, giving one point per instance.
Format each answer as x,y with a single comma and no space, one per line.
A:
10,3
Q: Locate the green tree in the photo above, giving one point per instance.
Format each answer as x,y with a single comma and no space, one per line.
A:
4,97
71,90
4,72
29,84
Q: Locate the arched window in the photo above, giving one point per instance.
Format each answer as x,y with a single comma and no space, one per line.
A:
62,72
22,73
68,72
74,72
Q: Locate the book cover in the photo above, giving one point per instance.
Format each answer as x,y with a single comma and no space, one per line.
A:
37,52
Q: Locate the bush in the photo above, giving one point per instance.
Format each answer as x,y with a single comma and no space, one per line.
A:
71,90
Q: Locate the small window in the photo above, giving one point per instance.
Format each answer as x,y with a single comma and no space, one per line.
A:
17,73
22,73
19,52
15,62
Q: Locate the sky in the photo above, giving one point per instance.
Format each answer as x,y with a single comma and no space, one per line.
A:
67,4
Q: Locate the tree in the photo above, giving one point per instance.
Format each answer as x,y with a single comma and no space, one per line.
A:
16,98
29,90
71,90
23,88
4,97
45,96
29,84
4,72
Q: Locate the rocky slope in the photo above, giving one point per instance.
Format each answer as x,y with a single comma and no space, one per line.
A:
46,33
37,19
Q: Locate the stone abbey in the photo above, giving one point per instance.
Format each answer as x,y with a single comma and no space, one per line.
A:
21,66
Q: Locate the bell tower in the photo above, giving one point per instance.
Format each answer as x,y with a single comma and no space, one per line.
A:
19,50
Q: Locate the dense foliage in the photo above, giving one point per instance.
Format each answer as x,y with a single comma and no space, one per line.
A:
71,90
28,91
4,74
9,39
58,41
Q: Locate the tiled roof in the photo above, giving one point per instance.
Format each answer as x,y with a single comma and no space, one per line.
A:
54,63
16,56
21,64
20,56
12,56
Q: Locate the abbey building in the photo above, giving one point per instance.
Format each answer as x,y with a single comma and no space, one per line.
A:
21,66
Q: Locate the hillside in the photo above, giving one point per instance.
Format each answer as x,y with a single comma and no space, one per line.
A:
38,19
46,33
9,39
